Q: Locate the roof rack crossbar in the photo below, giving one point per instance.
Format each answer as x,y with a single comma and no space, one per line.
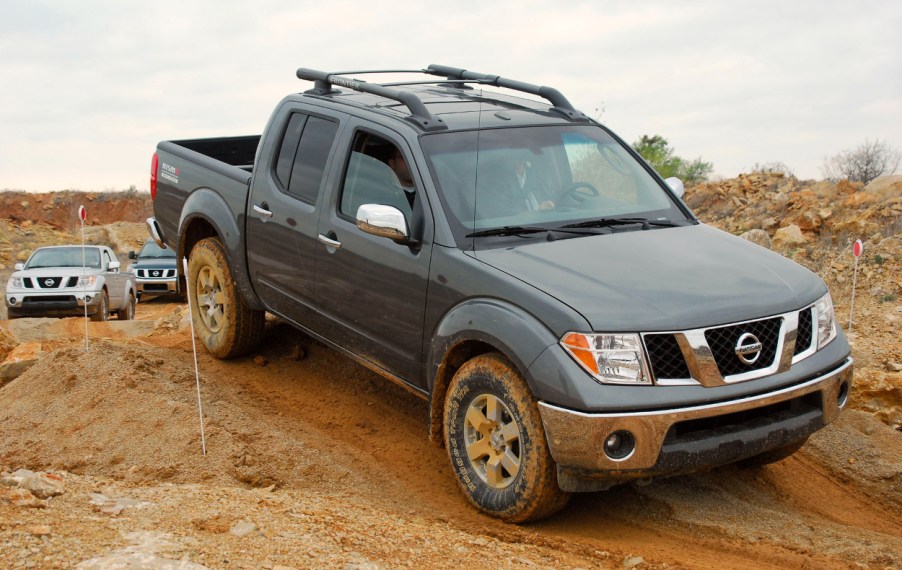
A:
552,95
323,82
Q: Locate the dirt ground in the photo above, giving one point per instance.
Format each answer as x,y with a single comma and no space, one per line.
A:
313,461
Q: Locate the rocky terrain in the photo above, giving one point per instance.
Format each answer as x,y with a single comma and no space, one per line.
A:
313,461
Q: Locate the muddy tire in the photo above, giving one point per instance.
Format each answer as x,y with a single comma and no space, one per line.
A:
771,456
496,442
103,312
127,313
224,323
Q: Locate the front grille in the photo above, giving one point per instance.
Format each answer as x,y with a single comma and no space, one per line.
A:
156,273
27,282
806,331
48,299
722,342
665,356
73,281
48,282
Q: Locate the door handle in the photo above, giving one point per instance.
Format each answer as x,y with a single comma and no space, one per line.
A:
330,240
263,210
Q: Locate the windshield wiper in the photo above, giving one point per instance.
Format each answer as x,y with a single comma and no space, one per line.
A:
607,222
521,230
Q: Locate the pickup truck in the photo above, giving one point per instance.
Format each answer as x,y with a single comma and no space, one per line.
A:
569,320
155,270
61,281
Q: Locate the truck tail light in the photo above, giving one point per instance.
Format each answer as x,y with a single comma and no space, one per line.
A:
154,163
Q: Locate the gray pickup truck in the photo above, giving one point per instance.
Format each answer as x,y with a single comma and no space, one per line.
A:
71,280
570,322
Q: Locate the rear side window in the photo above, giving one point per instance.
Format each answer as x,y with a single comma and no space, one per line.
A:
303,154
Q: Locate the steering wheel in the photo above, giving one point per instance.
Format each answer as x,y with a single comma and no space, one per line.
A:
575,193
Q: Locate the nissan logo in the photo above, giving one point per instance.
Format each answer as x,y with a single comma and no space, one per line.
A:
49,282
155,273
748,348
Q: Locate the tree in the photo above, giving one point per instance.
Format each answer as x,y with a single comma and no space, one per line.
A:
659,154
865,163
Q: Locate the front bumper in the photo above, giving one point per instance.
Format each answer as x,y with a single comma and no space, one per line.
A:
157,286
672,441
57,304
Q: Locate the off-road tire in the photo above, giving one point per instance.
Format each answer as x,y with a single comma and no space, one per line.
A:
510,429
224,323
127,313
771,456
103,311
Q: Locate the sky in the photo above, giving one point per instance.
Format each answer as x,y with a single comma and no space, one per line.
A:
88,88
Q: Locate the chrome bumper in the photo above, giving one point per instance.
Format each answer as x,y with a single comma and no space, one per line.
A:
576,439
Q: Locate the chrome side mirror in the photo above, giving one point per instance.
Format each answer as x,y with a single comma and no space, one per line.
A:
383,221
114,266
19,266
676,185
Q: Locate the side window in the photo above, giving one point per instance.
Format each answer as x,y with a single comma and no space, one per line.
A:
302,155
377,173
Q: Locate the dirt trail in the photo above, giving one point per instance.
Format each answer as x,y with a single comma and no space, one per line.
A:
323,436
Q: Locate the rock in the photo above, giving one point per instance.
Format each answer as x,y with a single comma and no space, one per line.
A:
18,361
39,530
768,223
142,560
297,352
789,236
43,485
22,256
758,237
24,499
894,366
242,528
260,360
24,203
632,561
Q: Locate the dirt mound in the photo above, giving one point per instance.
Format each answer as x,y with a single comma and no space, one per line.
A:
59,210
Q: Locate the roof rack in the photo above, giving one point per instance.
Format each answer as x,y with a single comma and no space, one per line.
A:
420,115
556,98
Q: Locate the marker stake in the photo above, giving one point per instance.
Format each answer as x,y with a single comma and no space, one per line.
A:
200,410
82,214
856,251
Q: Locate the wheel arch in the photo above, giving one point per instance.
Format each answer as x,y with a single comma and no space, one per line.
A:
478,327
206,214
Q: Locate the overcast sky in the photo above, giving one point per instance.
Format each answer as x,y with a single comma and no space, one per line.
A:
88,87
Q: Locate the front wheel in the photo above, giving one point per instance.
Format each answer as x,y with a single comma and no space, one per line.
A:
224,323
496,442
103,311
127,313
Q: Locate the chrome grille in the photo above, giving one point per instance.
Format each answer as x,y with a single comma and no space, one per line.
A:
806,331
48,282
665,356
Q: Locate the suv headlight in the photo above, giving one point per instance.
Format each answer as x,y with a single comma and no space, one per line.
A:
14,283
609,358
86,281
826,320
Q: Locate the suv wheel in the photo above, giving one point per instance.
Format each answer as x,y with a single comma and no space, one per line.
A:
496,442
103,311
127,313
224,323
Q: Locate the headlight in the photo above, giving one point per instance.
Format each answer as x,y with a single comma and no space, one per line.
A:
609,358
14,283
826,320
86,280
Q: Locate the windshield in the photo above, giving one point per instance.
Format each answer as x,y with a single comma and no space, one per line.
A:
541,176
151,249
64,257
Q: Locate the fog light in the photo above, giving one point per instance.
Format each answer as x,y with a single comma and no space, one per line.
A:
12,300
843,395
619,445
87,298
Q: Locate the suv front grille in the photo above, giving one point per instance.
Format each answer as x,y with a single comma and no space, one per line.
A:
723,342
710,356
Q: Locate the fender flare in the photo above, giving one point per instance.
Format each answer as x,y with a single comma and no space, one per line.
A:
474,327
207,205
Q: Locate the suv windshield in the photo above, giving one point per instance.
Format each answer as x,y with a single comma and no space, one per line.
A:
151,249
541,177
64,257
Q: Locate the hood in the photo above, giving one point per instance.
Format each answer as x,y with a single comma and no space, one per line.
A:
154,263
661,279
56,272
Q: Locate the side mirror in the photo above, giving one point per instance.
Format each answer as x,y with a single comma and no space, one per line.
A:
132,255
114,266
19,266
384,221
676,185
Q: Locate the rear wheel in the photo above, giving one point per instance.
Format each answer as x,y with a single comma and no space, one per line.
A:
496,442
103,311
224,323
127,313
